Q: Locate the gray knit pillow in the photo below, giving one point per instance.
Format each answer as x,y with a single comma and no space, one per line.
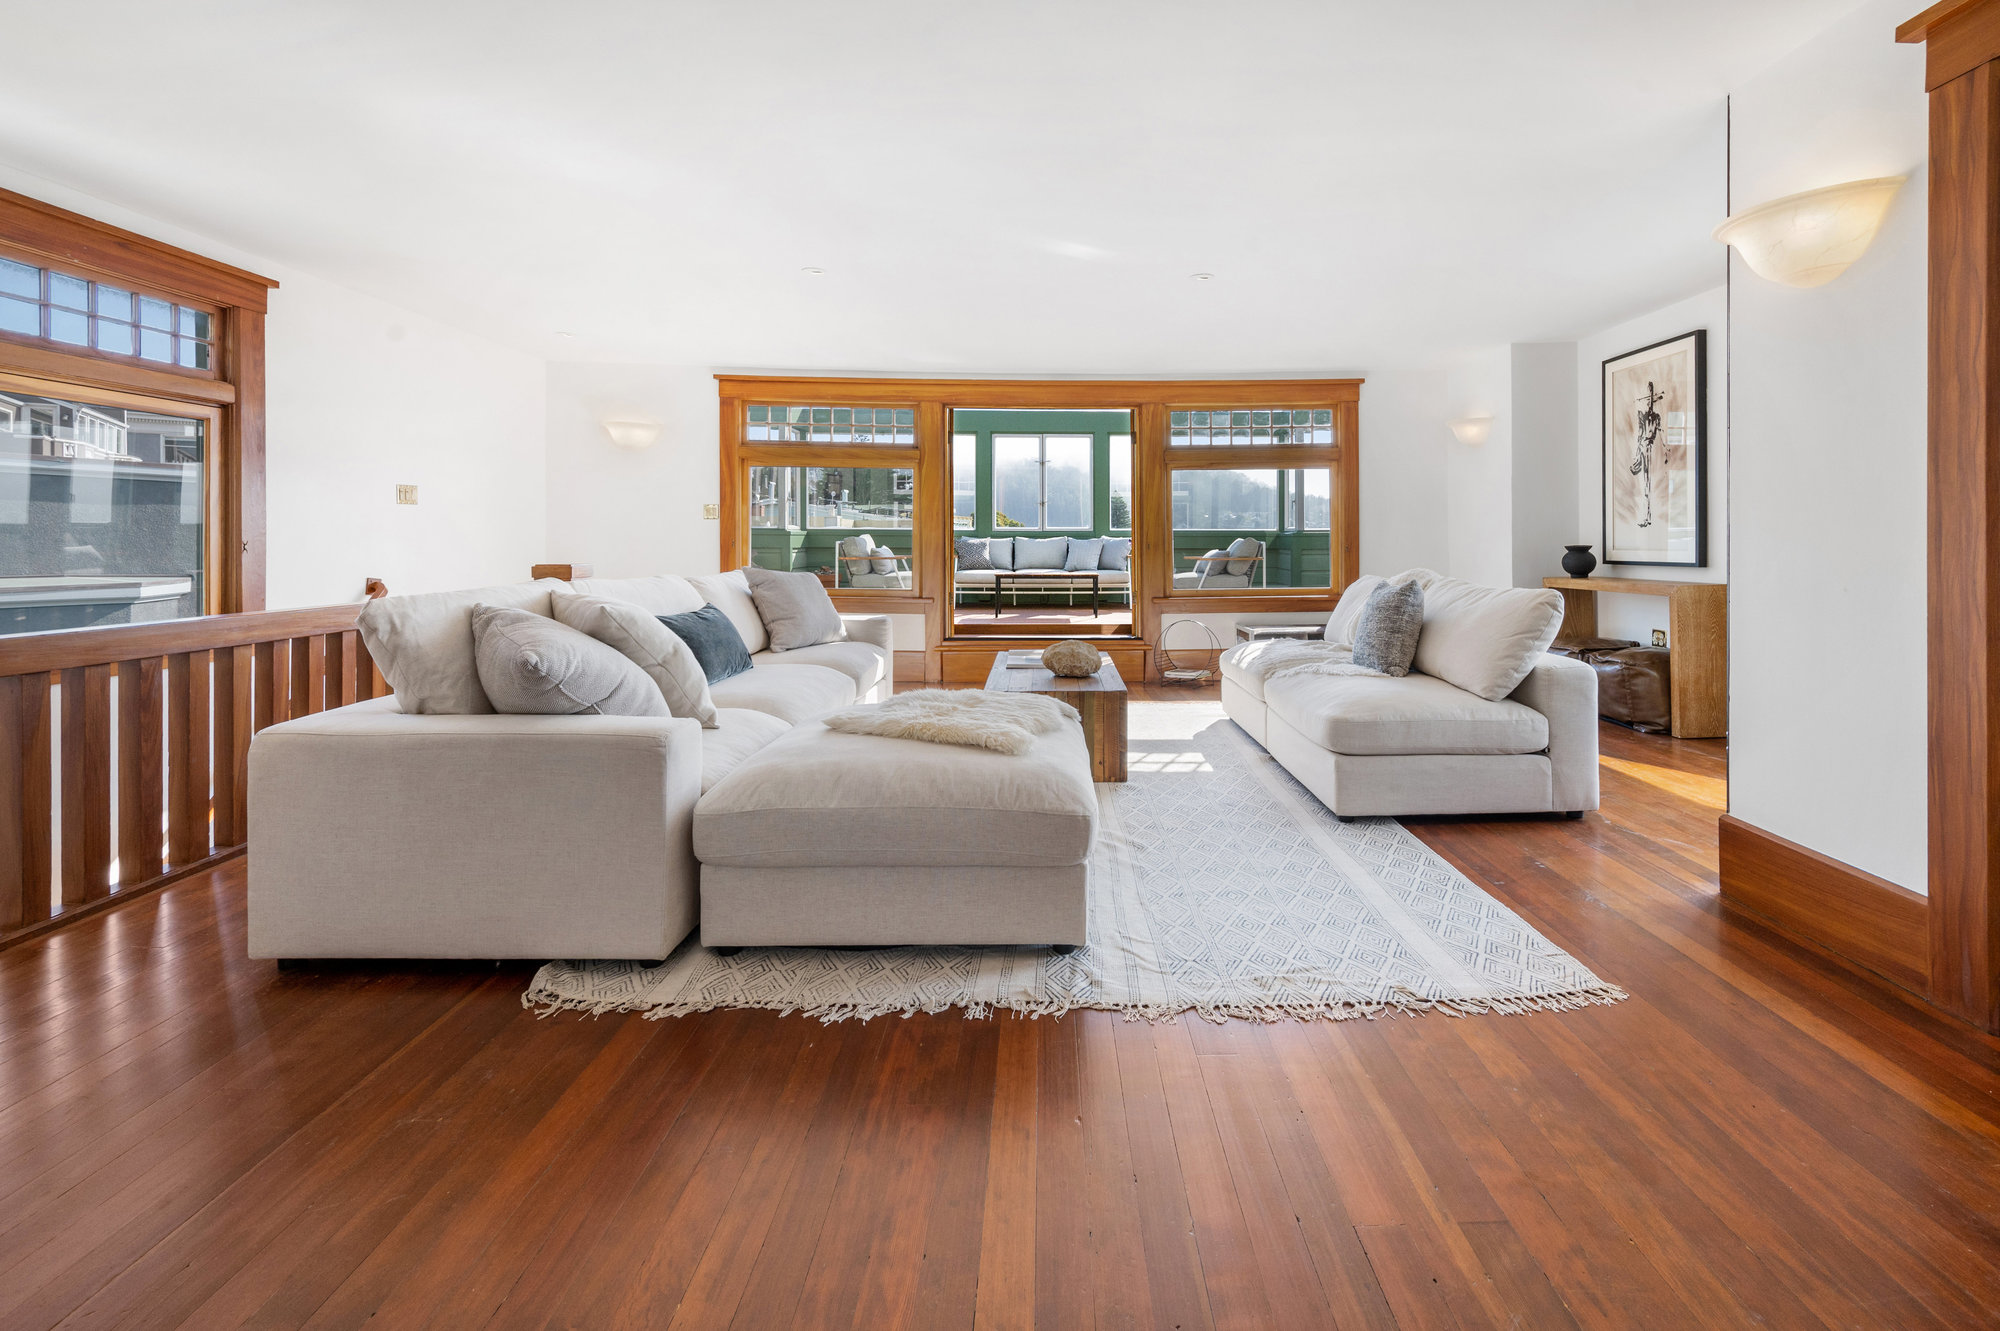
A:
795,608
1385,633
971,553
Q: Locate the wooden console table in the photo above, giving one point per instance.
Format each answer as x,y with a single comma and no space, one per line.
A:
1697,642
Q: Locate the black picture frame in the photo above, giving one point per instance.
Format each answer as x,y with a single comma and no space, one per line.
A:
1627,477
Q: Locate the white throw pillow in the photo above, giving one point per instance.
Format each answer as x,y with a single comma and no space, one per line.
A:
648,644
661,595
424,648
730,593
1340,624
1485,639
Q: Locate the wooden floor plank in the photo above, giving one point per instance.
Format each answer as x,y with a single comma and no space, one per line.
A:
1759,1136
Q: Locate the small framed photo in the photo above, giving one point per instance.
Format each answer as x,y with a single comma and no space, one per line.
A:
1656,454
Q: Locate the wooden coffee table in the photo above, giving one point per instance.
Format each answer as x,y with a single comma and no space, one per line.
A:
1099,699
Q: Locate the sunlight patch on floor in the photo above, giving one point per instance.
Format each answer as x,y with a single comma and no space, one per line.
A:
1708,791
1138,761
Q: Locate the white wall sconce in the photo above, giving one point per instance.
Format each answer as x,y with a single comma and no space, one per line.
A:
633,434
1807,240
1472,430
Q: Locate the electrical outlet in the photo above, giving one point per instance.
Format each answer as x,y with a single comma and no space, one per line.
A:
406,494
711,512
1659,637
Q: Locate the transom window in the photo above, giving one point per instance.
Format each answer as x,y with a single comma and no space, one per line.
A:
1256,428
54,307
832,425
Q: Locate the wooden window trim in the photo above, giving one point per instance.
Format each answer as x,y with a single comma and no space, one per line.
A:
48,236
1149,401
24,254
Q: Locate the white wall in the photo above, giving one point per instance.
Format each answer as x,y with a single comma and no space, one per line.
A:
1479,478
1827,547
1637,616
364,395
1543,436
1404,437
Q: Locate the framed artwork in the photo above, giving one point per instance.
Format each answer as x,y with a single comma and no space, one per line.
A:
1656,454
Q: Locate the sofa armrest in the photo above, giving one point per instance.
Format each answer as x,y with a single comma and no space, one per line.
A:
1565,691
379,834
876,630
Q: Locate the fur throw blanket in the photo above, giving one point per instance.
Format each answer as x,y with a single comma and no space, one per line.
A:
1275,657
1003,722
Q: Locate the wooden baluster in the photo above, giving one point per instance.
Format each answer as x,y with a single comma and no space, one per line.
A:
24,800
86,784
273,683
365,673
187,756
339,671
233,729
311,673
139,759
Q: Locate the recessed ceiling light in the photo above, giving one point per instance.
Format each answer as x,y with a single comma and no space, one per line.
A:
816,272
1204,277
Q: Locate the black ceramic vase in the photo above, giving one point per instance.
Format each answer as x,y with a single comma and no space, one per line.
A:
1579,561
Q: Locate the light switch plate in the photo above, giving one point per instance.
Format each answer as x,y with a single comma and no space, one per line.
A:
711,512
406,494
1659,637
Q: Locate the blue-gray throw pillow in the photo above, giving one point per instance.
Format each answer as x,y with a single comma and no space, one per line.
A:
1083,555
1385,634
713,640
1116,554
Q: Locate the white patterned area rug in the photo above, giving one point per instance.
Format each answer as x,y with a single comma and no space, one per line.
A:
1219,886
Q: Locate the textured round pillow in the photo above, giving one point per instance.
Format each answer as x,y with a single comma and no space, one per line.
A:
1073,660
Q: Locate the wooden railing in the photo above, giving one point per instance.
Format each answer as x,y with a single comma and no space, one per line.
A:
123,751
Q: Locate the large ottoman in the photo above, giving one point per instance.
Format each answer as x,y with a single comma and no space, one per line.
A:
824,839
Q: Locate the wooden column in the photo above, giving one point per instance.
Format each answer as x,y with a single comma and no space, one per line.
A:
1962,40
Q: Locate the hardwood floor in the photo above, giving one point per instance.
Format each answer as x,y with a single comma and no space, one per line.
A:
189,1138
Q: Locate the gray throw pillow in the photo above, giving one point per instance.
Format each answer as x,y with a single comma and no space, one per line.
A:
1000,551
1243,551
529,664
1031,552
1385,634
795,608
1212,564
1083,555
647,643
972,553
1116,556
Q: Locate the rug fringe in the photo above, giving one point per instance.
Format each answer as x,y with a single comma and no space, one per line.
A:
546,1003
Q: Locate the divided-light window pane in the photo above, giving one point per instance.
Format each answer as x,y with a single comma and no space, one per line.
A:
1121,482
964,480
830,425
48,306
1250,428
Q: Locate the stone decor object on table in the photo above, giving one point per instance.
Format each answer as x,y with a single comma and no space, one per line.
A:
1072,659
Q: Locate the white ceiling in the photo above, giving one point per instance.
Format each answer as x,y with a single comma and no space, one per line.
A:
999,187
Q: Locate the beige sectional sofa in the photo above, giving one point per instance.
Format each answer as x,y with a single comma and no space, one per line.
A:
381,833
1488,721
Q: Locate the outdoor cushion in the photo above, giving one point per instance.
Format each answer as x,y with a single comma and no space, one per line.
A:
1116,553
642,639
730,593
1211,563
861,662
532,665
1212,580
662,595
1367,714
795,608
423,644
971,553
816,798
1033,552
1000,551
792,693
975,577
1084,555
1485,639
738,733
1244,549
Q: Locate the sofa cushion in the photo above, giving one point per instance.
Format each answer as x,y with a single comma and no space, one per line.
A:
730,593
1244,552
532,665
864,663
816,798
1084,555
713,639
738,733
1116,554
795,608
1032,552
649,644
971,554
1211,564
792,693
662,595
1000,552
423,644
1485,639
1363,714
